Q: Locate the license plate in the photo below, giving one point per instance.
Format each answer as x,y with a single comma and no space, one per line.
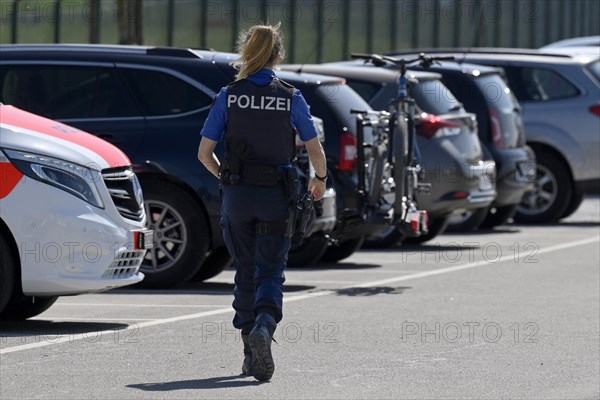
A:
525,172
143,239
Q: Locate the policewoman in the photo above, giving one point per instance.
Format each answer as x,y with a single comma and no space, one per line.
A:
257,116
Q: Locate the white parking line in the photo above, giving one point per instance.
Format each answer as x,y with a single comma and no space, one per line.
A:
143,305
92,319
72,338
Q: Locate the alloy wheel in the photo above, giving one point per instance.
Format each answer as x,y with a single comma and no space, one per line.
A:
170,236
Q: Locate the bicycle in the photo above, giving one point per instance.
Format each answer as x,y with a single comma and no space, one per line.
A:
402,138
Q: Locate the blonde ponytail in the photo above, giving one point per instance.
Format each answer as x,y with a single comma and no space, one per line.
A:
260,47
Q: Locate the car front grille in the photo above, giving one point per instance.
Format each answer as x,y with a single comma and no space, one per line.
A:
125,192
125,265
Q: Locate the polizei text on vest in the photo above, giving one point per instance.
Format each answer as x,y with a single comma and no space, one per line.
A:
259,102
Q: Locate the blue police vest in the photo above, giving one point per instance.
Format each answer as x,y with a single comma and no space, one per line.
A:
260,116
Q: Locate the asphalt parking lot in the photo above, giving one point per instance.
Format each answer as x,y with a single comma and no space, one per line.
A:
509,313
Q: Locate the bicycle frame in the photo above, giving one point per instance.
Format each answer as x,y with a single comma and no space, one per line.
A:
402,133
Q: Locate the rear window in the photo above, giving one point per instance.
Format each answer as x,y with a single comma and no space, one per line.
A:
332,102
433,97
497,94
594,68
343,98
366,90
504,107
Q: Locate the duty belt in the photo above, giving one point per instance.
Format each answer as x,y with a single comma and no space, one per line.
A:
254,174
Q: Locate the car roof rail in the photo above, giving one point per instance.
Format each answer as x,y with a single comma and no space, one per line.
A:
172,52
479,50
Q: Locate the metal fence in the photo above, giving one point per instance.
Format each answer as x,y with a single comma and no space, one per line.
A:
315,30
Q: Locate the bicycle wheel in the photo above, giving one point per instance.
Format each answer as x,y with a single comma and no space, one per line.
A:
374,173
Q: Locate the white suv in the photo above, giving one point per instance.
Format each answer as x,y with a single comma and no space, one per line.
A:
71,214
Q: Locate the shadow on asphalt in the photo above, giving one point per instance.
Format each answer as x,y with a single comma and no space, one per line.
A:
580,224
209,383
371,291
216,288
425,247
47,329
504,229
335,267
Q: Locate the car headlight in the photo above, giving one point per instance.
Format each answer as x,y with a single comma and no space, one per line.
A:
76,179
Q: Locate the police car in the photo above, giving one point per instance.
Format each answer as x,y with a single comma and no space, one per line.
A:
71,214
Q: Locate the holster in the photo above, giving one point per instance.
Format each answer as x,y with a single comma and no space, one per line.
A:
302,218
287,227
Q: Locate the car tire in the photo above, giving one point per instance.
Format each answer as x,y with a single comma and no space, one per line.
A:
309,252
384,240
469,221
498,216
436,226
214,264
574,204
181,235
7,272
553,190
21,307
343,250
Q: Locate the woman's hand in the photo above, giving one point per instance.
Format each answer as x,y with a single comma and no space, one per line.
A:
317,188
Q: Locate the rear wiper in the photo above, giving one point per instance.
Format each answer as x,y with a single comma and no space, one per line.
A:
455,107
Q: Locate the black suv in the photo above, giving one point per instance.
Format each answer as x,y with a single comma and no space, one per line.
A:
150,102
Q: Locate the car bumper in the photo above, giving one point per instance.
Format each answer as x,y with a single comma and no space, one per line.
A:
458,187
515,175
67,246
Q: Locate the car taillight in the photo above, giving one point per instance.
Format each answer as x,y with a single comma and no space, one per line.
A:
347,152
429,126
496,130
595,110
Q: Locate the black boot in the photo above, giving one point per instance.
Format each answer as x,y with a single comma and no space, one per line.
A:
260,342
247,365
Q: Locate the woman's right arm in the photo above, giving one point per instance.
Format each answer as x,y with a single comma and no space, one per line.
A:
213,129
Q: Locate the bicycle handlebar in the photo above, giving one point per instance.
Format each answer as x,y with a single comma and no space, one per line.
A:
368,112
380,61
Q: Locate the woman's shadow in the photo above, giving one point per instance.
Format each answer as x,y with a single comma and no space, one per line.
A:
218,382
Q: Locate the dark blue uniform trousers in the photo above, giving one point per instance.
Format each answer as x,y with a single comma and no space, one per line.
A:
259,260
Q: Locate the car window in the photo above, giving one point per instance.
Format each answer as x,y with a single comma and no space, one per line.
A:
497,94
503,108
594,68
160,93
433,97
65,92
343,99
366,90
538,84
